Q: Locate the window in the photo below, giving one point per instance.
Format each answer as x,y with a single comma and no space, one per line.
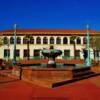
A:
96,53
65,40
38,40
77,53
26,53
72,41
5,40
31,40
84,40
25,40
67,53
6,53
18,40
51,40
78,40
58,40
17,53
37,52
11,40
45,40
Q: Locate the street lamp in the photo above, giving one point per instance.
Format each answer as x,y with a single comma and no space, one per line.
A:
14,53
88,60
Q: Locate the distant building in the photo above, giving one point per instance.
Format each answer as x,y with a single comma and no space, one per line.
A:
41,39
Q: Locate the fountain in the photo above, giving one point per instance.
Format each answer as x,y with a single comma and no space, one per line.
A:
50,74
51,54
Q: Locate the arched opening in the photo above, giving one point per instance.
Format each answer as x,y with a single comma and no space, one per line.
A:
25,40
84,40
45,40
5,40
11,40
51,40
18,40
65,40
78,40
31,40
58,40
38,40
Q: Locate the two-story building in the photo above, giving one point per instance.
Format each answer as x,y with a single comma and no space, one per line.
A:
40,39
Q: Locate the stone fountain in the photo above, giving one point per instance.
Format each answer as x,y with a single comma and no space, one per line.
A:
52,75
51,54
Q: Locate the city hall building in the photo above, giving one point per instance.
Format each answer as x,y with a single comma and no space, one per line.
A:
43,39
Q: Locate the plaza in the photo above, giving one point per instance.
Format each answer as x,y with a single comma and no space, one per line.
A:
13,89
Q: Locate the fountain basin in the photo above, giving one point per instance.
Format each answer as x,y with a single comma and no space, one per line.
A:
49,77
51,54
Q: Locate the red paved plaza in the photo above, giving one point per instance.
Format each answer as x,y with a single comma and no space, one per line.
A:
88,89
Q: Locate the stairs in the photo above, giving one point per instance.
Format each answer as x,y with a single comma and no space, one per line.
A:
78,74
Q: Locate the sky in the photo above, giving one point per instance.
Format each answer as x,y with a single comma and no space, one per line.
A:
49,14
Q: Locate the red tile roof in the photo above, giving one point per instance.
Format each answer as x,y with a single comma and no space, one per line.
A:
48,32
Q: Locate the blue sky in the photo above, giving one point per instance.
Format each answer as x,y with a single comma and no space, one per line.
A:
50,14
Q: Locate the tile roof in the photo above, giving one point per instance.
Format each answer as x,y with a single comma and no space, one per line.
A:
48,32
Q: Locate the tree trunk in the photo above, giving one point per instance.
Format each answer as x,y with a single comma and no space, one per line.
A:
28,51
74,50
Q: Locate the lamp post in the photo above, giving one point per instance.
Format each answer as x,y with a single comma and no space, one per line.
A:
88,60
14,53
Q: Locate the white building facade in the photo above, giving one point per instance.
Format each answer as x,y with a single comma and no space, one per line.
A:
40,39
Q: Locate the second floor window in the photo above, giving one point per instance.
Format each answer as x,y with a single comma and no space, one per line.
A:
31,40
5,40
78,40
45,40
38,40
11,40
51,40
65,40
84,40
58,40
18,40
24,40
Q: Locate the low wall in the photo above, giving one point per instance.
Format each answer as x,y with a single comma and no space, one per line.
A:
51,74
48,76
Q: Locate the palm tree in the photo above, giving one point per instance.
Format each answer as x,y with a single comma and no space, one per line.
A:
72,41
95,44
27,38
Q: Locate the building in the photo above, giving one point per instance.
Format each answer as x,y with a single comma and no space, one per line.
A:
40,39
